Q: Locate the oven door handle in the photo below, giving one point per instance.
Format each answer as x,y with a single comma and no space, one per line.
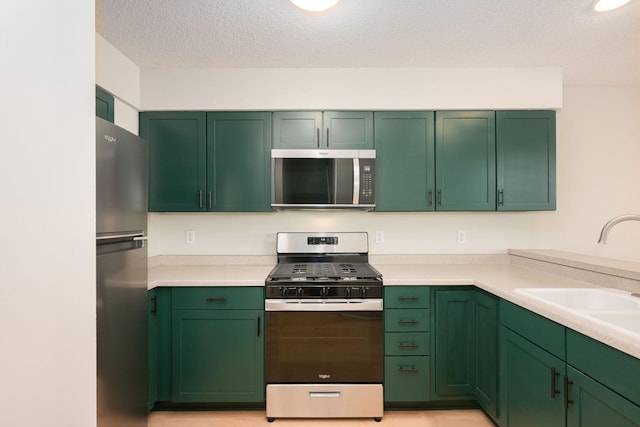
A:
368,304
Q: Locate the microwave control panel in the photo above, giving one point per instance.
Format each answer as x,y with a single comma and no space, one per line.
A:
367,181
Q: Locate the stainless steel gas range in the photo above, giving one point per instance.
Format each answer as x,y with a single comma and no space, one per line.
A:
324,332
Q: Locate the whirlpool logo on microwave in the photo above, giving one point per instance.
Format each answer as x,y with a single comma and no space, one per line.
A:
324,376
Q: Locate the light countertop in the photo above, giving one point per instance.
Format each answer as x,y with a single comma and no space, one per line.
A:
500,278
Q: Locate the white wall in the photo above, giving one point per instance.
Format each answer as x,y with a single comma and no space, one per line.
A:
47,256
351,88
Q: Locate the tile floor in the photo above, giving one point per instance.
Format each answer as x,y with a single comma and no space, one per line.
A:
452,418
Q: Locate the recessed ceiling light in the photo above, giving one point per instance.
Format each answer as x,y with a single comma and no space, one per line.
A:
607,5
315,5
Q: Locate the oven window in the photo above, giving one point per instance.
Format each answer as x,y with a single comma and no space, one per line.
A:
314,181
324,347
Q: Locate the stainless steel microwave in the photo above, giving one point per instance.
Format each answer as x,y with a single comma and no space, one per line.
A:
323,179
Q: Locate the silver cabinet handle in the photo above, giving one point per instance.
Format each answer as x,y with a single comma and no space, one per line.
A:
318,137
501,197
200,199
327,137
210,199
440,197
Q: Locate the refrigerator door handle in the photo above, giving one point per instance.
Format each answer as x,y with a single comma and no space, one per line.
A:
138,235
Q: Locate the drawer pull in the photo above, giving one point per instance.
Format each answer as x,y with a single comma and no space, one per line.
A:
219,299
412,298
567,401
554,374
408,369
408,345
408,322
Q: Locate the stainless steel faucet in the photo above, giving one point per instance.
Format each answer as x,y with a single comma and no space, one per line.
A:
609,225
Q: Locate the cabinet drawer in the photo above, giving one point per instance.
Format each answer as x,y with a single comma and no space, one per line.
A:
537,329
218,298
407,297
406,344
406,378
411,320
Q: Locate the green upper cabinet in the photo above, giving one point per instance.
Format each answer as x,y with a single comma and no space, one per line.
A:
329,129
104,105
405,160
238,162
526,160
216,162
177,160
465,161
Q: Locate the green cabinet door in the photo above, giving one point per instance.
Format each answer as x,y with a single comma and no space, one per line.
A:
238,162
465,161
348,129
531,382
152,349
218,356
454,367
159,338
315,129
405,161
177,160
105,105
526,160
590,404
297,129
486,353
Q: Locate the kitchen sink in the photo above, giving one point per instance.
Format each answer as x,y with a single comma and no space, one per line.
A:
613,307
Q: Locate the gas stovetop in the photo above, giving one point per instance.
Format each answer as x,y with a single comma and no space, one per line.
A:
326,265
323,271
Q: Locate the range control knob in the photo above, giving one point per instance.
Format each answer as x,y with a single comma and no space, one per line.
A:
364,290
299,292
347,292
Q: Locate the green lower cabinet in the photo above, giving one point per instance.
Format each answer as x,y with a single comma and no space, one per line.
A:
593,405
217,356
530,384
486,353
407,345
206,346
454,344
152,349
406,379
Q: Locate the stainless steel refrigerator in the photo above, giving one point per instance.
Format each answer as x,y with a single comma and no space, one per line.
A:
121,252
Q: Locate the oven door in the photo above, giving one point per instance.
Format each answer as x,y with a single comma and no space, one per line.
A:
310,345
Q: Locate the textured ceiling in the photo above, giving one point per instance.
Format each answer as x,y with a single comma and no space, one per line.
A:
592,49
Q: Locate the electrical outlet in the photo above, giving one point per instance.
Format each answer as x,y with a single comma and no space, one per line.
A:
190,236
462,236
380,236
